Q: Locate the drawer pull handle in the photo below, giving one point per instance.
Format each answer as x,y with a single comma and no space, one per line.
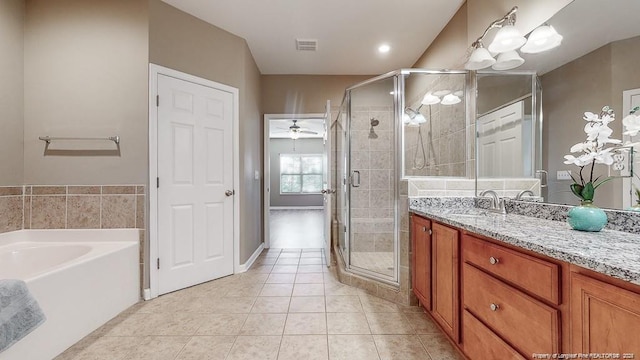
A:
493,260
494,307
424,229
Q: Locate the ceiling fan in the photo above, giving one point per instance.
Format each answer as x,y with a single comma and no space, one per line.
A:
295,130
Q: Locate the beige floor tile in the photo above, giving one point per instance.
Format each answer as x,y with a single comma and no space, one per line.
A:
290,254
304,347
389,324
207,348
158,348
422,323
439,348
277,290
310,268
177,324
347,323
339,289
221,324
288,261
405,347
307,304
262,268
311,254
255,348
306,324
308,290
343,303
284,269
231,305
310,278
266,260
311,261
276,278
264,324
253,277
109,348
352,347
243,289
371,304
271,304
133,325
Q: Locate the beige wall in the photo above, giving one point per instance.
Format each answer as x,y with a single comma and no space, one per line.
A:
448,49
586,84
11,91
86,76
304,94
182,42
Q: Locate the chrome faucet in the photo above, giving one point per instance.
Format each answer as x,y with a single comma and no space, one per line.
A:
497,204
523,192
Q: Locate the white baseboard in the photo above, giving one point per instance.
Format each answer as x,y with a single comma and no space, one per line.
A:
296,207
244,267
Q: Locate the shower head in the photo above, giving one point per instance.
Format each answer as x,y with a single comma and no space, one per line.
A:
375,122
372,134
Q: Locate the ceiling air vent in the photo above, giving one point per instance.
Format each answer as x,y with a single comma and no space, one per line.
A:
306,44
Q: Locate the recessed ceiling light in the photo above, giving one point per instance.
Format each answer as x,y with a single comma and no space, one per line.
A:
384,48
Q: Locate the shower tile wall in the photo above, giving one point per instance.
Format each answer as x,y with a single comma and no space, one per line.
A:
372,204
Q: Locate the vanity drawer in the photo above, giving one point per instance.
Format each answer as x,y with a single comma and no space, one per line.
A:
538,276
479,342
524,322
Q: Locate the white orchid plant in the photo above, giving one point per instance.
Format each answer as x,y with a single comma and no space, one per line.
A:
597,149
631,124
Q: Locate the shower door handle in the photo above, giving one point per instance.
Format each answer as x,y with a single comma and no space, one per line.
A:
354,182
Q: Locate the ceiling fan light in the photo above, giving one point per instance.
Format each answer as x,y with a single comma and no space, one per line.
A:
543,38
508,60
480,58
507,38
294,134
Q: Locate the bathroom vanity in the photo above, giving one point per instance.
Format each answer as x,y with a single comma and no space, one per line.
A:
517,287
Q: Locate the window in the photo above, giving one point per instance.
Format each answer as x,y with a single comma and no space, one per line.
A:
300,174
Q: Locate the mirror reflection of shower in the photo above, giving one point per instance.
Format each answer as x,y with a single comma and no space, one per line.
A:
372,133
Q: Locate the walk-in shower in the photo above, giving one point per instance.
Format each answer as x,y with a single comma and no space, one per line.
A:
405,123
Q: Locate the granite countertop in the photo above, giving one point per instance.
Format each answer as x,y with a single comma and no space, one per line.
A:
610,252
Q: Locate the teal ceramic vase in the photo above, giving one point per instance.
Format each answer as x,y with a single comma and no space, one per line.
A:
587,217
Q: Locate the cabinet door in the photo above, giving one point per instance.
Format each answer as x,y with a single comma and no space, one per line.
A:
445,280
421,269
604,318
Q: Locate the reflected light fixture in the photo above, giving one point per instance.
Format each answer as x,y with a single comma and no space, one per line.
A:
451,99
430,99
413,117
294,130
507,40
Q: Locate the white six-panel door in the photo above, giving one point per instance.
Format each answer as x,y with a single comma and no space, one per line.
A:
195,192
500,142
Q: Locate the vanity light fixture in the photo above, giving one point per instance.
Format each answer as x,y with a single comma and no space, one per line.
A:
507,40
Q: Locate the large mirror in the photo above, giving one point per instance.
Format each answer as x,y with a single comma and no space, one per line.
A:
593,67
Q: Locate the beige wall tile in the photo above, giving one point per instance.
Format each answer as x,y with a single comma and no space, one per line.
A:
10,190
118,189
48,212
93,190
49,190
11,210
118,211
140,190
140,206
27,212
83,212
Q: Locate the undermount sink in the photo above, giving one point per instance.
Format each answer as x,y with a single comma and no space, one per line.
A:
470,213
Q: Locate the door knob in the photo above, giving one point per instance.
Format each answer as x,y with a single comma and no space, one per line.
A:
229,192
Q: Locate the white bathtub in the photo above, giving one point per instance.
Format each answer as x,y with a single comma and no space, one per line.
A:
80,278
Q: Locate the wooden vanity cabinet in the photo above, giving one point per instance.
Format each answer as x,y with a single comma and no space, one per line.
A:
421,259
604,318
445,242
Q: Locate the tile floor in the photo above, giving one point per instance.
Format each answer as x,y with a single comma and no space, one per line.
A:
296,228
287,306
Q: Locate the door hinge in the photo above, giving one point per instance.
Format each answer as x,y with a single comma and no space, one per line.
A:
157,182
345,228
157,100
158,263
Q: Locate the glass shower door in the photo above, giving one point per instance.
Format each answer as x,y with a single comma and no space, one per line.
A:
372,179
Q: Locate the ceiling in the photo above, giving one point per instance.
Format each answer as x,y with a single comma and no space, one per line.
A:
348,31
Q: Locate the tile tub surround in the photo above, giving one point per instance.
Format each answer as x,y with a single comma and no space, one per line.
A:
11,208
609,252
268,312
